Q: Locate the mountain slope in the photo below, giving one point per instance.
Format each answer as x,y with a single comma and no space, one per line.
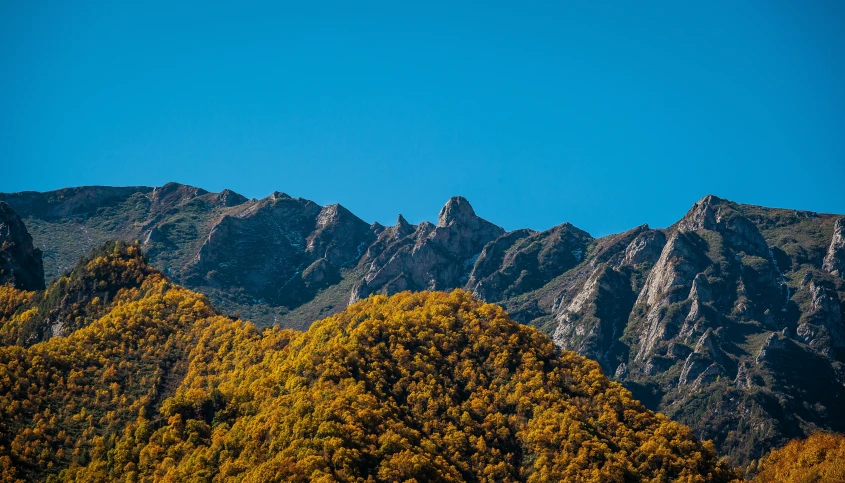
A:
727,321
63,399
736,308
261,258
430,386
77,298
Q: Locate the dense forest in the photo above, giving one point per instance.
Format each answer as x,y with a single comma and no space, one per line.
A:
819,458
114,373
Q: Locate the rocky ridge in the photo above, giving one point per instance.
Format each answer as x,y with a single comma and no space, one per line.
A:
730,321
726,331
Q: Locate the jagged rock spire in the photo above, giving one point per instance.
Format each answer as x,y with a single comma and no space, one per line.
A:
456,210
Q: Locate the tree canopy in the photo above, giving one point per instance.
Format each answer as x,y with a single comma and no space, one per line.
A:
154,385
819,458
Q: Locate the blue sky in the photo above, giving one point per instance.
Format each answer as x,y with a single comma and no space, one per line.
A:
606,115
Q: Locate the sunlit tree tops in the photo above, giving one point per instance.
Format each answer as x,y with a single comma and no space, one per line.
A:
152,385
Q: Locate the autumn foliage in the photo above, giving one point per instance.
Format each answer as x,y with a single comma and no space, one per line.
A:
414,387
75,299
817,459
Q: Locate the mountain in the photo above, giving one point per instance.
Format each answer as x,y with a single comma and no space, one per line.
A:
730,320
261,258
425,386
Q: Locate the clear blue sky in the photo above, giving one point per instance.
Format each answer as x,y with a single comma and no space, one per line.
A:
603,115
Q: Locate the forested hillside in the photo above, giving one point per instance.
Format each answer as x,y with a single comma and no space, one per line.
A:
817,459
424,387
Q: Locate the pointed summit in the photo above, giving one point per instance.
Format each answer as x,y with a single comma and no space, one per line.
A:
172,195
710,200
458,215
716,214
228,197
456,210
402,228
702,215
332,214
339,236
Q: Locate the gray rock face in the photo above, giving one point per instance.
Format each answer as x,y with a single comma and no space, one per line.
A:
821,327
714,304
698,370
700,295
230,198
319,274
486,269
714,214
522,261
20,261
280,250
260,249
669,282
388,236
680,261
460,231
834,260
339,236
429,258
174,195
593,321
646,248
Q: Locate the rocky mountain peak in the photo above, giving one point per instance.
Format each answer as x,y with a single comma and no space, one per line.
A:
428,256
174,187
702,215
402,228
20,262
174,194
330,214
715,214
82,201
460,232
425,228
228,197
456,210
340,236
